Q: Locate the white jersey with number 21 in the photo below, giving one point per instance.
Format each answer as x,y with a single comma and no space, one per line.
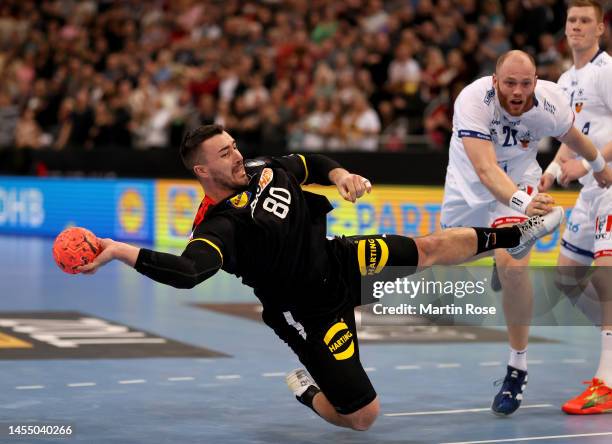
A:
479,114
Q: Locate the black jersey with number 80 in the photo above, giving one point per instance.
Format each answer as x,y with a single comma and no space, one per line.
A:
272,234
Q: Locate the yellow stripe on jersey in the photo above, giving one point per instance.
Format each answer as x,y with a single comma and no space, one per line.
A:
305,169
384,255
209,243
361,257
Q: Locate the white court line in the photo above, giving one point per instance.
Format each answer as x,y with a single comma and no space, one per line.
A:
574,361
181,378
132,381
533,438
450,412
407,367
535,362
489,363
273,374
370,369
228,376
29,387
81,384
448,365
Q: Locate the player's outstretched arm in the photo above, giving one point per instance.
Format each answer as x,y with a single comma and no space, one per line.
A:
112,250
554,169
198,262
482,155
320,169
583,146
575,169
350,186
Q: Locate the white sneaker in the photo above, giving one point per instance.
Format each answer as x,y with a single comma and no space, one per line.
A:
534,228
298,381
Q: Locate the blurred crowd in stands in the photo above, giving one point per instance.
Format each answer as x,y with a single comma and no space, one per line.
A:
278,74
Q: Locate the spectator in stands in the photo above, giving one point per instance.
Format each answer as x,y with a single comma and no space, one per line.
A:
324,83
363,125
27,132
101,134
404,71
75,129
206,111
433,73
548,59
494,46
257,95
9,116
316,126
273,131
151,129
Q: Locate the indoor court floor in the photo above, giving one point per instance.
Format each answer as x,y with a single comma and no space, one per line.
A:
125,360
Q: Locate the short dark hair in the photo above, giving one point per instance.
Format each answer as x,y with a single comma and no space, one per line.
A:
192,141
588,4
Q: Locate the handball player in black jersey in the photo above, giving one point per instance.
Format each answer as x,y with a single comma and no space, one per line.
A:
257,223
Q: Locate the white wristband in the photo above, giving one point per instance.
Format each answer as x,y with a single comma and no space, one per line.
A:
554,169
519,201
586,164
598,164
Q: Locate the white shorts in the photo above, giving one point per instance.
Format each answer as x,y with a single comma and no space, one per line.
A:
457,213
588,233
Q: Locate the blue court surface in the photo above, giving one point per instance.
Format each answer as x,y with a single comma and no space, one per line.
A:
217,378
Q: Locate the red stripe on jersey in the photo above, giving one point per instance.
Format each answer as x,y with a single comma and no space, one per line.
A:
609,224
602,253
206,203
508,220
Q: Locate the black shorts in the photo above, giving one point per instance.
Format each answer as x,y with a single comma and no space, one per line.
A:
327,345
330,352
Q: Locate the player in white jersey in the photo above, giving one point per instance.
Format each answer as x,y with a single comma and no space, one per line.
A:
492,177
588,234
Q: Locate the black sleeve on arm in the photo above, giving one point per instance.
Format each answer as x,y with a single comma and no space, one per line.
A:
309,168
319,167
198,262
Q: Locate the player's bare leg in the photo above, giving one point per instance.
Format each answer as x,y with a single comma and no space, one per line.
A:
306,391
518,307
457,245
517,294
361,420
517,302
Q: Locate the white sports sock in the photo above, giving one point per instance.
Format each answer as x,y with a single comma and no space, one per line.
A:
604,372
518,359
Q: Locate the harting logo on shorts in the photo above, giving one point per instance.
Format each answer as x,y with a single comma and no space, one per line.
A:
339,340
372,255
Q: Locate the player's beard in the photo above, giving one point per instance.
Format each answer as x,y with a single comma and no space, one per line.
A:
234,182
512,109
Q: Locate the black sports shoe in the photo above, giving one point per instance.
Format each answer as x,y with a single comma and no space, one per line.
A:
510,396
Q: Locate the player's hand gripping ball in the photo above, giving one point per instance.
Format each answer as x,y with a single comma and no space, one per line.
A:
74,247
